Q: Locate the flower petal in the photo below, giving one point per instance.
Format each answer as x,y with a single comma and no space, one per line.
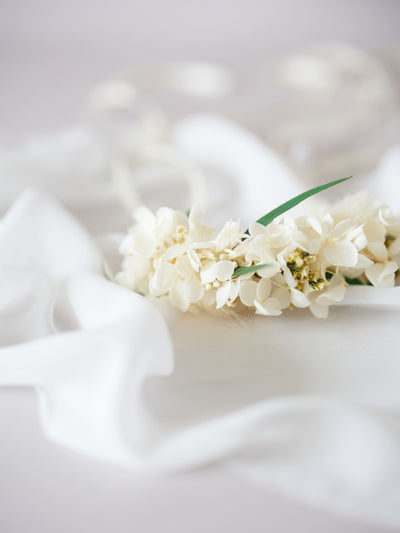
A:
163,279
263,289
193,259
298,299
223,294
193,290
379,250
334,293
382,274
247,292
341,253
363,261
319,311
173,252
208,272
224,270
283,295
178,297
184,267
374,230
269,270
342,228
270,307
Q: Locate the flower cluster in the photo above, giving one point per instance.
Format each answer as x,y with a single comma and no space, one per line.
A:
303,262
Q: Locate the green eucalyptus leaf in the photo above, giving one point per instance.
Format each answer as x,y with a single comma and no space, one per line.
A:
240,271
269,217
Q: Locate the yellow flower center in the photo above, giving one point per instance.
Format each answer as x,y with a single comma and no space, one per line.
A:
299,263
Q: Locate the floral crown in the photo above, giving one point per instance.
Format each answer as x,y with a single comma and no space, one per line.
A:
303,262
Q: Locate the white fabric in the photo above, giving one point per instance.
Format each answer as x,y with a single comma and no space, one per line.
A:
308,406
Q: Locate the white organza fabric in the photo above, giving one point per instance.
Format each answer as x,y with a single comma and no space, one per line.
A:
310,407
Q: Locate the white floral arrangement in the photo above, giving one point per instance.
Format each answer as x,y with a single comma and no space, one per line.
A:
274,265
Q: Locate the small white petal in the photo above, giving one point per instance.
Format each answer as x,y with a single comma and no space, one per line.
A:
279,281
291,282
224,270
382,274
334,293
193,290
184,267
234,292
342,228
378,250
222,295
341,253
360,242
209,298
163,279
247,292
260,249
208,272
194,259
173,252
270,307
315,224
314,246
270,270
178,297
263,289
298,299
283,295
374,230
363,261
256,228
278,235
319,311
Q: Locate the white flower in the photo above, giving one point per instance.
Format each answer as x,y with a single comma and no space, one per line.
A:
267,299
221,271
217,271
334,293
229,237
382,274
338,242
305,262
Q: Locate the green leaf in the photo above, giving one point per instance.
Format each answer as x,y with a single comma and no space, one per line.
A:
240,271
269,217
349,281
355,281
104,272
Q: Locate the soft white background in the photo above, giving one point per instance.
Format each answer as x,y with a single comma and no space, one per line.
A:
51,54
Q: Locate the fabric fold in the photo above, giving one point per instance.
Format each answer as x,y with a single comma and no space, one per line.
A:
310,407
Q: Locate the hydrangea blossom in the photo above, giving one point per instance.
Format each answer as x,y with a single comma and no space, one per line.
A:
306,262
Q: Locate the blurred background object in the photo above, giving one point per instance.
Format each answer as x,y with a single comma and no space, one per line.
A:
318,81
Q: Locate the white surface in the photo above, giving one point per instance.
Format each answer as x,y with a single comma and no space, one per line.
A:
53,52
46,488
